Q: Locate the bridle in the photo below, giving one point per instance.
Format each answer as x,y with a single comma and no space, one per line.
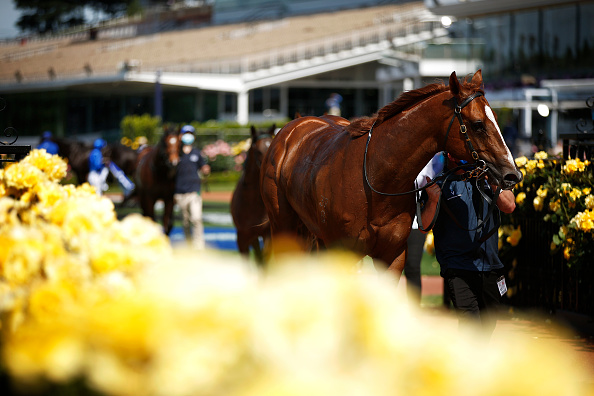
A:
478,168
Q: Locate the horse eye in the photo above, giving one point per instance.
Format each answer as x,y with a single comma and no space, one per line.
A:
478,126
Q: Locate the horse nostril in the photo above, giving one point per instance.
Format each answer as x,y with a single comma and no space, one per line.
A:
514,178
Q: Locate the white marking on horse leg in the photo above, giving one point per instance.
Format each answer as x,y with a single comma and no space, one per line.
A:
491,117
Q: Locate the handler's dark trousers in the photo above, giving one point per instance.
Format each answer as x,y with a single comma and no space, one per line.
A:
476,298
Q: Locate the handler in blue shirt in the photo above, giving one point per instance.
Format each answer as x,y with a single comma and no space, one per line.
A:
98,171
466,245
48,144
188,185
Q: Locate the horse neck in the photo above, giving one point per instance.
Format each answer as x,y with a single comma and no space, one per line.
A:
159,159
401,146
251,172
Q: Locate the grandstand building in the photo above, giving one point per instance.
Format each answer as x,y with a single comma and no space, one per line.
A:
253,60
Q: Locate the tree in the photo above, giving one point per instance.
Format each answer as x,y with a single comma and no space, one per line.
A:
47,16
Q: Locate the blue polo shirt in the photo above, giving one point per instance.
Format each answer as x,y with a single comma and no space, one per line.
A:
187,179
459,248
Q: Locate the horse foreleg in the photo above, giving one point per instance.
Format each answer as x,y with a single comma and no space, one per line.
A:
397,266
148,207
167,216
258,251
243,244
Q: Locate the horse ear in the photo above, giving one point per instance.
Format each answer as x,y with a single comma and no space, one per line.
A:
477,79
454,84
272,129
254,132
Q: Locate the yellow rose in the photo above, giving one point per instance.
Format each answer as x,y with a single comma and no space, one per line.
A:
530,166
514,237
538,203
567,253
521,161
554,205
541,155
520,198
542,192
589,201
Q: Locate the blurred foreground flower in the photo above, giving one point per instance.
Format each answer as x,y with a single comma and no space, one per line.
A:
210,325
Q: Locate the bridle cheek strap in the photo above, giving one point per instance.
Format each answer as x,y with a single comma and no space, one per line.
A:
463,129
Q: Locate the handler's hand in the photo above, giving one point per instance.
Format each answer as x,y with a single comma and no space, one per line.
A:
433,191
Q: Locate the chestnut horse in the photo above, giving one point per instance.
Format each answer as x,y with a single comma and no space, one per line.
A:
321,181
247,208
155,177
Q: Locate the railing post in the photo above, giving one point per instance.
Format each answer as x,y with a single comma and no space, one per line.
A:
7,147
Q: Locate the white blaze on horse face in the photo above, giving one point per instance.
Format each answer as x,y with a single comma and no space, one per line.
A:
491,117
172,140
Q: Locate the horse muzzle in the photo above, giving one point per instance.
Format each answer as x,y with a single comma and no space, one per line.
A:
504,178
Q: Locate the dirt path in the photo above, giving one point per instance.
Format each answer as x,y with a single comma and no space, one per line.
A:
217,196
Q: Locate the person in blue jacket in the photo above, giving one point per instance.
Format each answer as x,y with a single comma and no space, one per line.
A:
48,144
466,245
98,170
188,185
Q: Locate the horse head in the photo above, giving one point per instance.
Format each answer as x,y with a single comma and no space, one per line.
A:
170,146
480,140
260,143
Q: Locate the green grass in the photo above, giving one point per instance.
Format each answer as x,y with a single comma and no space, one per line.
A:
429,265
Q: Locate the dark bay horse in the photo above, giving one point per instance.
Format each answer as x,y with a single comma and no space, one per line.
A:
123,156
247,208
77,153
322,181
155,176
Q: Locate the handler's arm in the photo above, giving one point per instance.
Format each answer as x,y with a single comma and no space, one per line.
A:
506,202
428,211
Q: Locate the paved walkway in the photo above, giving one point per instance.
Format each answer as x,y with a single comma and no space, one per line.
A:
530,327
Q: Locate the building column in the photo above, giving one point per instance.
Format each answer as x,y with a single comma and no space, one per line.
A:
359,102
284,101
243,106
220,105
199,105
385,96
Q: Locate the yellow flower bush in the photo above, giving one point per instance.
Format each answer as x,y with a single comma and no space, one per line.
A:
560,193
53,236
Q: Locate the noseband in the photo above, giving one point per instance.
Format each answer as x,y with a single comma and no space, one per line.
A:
478,168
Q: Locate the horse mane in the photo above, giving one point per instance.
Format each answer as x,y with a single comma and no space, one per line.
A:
405,100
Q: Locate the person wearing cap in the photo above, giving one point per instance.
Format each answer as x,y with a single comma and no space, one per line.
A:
188,186
48,144
466,244
97,170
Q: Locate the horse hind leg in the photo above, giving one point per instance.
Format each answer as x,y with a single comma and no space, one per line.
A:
168,216
258,253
